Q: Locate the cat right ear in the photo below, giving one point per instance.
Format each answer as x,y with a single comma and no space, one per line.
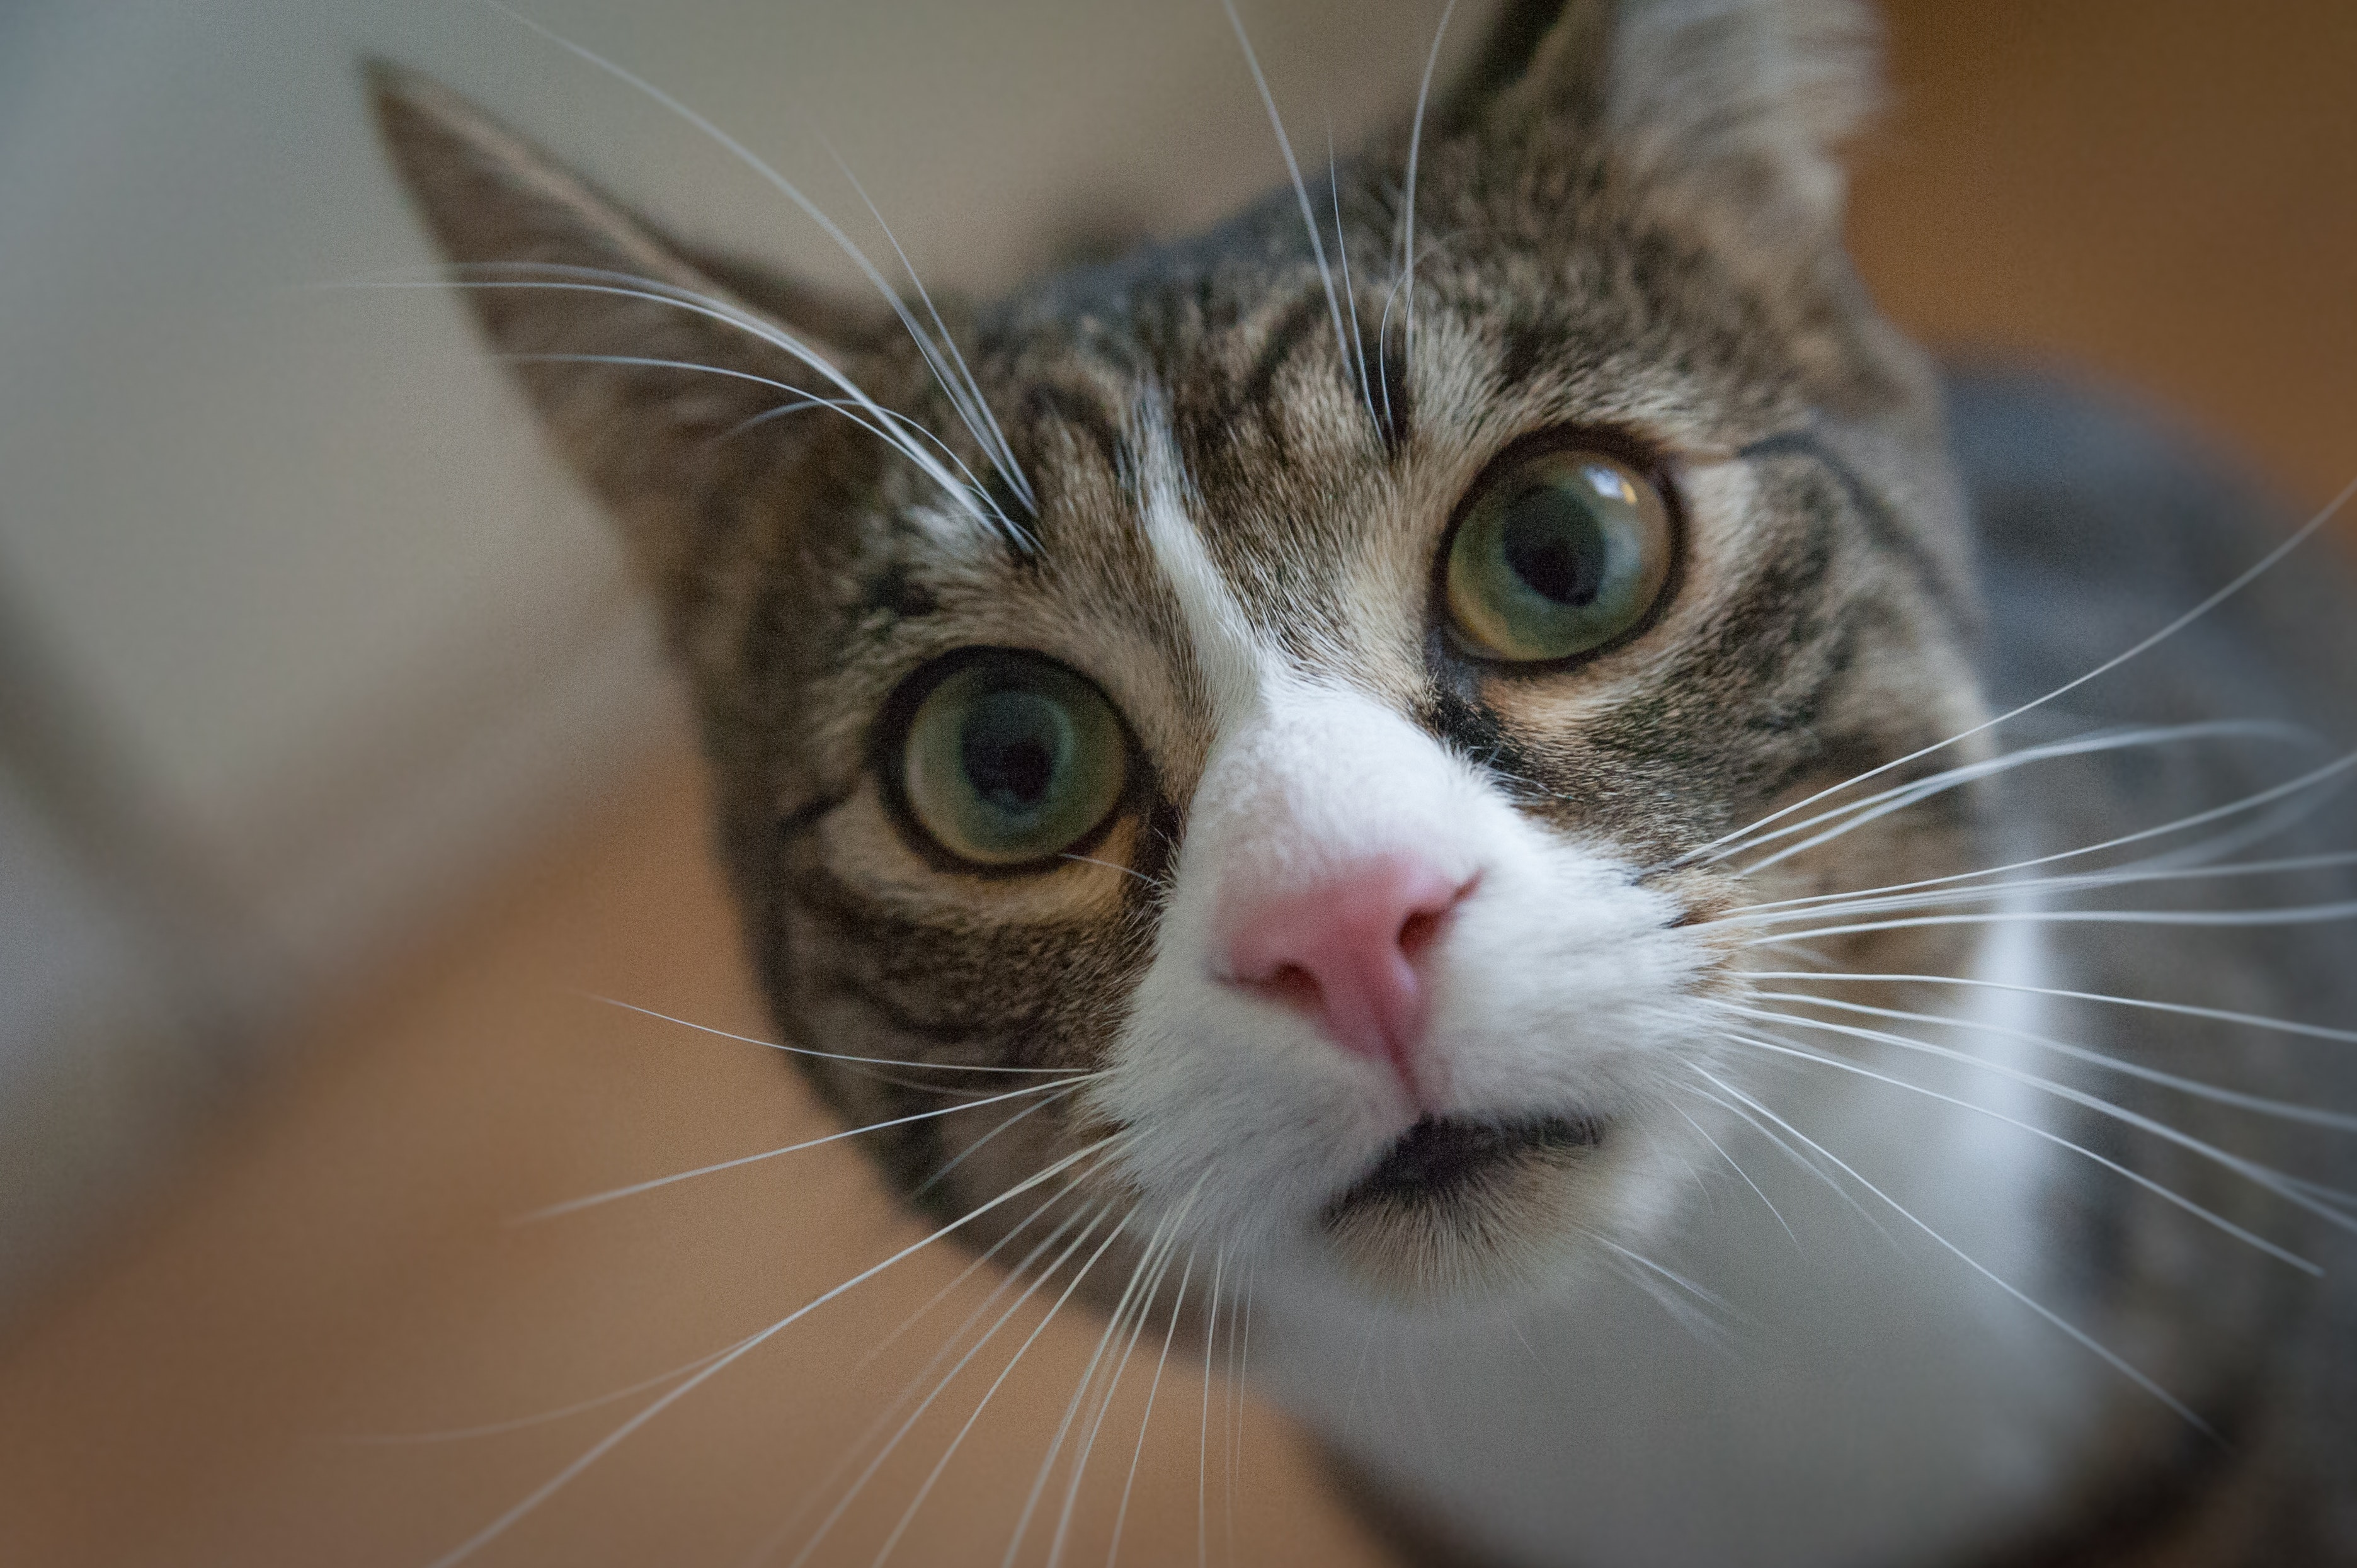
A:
1727,113
680,389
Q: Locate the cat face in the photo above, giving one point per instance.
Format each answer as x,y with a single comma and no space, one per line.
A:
1280,723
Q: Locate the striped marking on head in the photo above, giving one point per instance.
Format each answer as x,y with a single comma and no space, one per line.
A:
1232,658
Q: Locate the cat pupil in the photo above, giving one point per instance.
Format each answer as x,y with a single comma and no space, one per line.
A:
1011,745
1552,543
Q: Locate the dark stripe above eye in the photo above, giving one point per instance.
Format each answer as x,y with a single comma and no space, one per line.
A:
895,592
1384,390
1535,336
1078,412
1305,315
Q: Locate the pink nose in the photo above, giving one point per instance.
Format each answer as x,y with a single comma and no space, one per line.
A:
1344,949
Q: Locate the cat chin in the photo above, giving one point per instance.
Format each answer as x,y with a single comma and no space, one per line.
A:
1500,1217
1478,1223
1537,1236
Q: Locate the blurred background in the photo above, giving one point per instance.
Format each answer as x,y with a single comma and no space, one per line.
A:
336,761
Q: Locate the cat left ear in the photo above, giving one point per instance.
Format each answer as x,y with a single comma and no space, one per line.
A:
656,371
1728,111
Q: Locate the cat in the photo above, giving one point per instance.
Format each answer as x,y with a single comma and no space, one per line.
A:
1391,734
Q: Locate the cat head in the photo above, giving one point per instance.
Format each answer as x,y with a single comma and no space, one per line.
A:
1277,702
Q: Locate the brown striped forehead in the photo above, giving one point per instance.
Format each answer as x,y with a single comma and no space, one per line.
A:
1319,466
1305,444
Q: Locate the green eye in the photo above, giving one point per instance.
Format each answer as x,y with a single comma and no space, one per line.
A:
1560,555
1012,759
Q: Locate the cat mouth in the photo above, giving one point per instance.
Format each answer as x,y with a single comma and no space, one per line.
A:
1451,1159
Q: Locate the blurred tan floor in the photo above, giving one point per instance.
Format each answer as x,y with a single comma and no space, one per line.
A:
2159,191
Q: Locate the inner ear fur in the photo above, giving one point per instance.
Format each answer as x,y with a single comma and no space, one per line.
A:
598,316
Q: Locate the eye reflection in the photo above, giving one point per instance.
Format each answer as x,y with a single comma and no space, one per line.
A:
1558,556
1012,759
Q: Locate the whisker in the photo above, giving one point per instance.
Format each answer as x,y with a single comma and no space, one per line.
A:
968,1093
644,361
1805,955
890,425
1694,1174
1649,1276
1301,190
2306,781
1121,1515
1708,1297
2157,1188
827,1056
2109,1357
2328,1194
901,426
980,1261
1228,1406
1350,295
976,1146
1242,1386
445,276
1528,1349
1741,1171
1798,1158
1415,151
2282,1110
1160,1270
2249,1170
614,1396
2203,852
1382,341
956,374
1088,1378
949,1453
2184,1009
607,1445
1093,1216
2250,574
1203,1428
775,1539
809,208
1111,865
573,1206
1875,807
887,425
783,409
1828,906
540,1418
2295,915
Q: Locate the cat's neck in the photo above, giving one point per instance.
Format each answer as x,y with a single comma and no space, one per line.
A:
1863,1397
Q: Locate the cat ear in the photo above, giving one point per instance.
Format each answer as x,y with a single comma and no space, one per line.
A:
660,375
1730,111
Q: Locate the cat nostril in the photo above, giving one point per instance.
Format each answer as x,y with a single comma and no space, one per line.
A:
1346,949
1420,929
1293,985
